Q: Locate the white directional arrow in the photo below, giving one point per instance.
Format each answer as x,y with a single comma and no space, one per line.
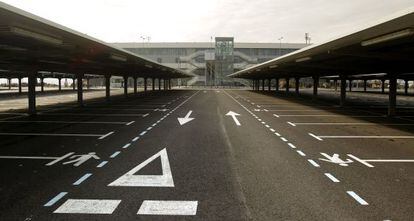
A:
233,115
186,119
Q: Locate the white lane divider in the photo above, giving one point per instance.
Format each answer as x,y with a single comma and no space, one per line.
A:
103,163
115,154
135,139
313,163
357,198
143,133
292,146
83,178
55,199
126,145
155,207
332,177
283,139
301,153
87,206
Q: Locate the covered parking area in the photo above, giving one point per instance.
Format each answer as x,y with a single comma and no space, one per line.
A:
382,51
35,48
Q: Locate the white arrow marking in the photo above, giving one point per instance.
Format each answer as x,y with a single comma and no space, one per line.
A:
233,115
186,119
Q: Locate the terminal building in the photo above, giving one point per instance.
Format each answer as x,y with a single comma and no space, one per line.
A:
211,62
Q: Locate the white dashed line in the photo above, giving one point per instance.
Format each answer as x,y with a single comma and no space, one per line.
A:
301,153
313,163
55,199
115,154
332,177
143,133
292,146
103,163
83,178
129,123
357,198
283,139
293,125
276,115
108,134
271,129
126,145
277,134
314,136
135,139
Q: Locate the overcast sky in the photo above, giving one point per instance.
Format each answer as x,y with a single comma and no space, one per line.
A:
197,20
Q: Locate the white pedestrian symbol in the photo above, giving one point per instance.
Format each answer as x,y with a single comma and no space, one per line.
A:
81,158
335,159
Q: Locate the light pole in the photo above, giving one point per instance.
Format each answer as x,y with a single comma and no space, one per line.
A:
280,45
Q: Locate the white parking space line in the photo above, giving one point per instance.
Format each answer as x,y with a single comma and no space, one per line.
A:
347,123
65,122
313,163
357,198
314,136
365,137
84,206
101,136
361,161
332,177
94,114
172,208
328,115
105,135
55,199
83,178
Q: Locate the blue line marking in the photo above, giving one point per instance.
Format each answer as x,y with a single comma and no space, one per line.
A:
55,199
83,178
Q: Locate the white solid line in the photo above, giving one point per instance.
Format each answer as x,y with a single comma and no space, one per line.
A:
390,161
59,135
115,154
55,199
327,115
135,139
313,163
359,124
85,114
28,157
172,208
102,164
301,153
293,125
126,145
314,136
284,139
83,178
103,136
357,198
143,133
291,145
332,177
84,206
361,161
58,122
367,137
131,122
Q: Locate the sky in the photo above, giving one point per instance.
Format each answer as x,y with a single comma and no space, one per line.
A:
198,20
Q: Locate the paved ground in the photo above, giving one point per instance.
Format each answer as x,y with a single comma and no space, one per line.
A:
239,155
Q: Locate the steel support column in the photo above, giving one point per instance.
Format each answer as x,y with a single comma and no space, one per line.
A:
42,84
73,83
343,92
365,85
297,82
32,81
315,86
135,85
159,84
153,84
80,89
145,84
263,84
383,86
277,84
392,94
406,87
60,83
269,84
287,85
19,79
350,85
126,86
107,87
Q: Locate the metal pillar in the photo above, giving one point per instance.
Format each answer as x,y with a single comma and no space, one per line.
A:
125,86
350,85
269,84
336,85
159,84
80,89
88,85
42,84
135,85
365,85
287,85
297,81
145,84
406,87
107,87
153,84
20,84
263,84
383,86
9,81
315,86
60,83
392,93
169,84
165,84
73,84
343,91
32,80
277,84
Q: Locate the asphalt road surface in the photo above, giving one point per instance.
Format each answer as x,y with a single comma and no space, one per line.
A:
208,155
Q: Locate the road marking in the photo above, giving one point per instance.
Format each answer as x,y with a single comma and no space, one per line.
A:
143,133
277,134
63,122
263,122
135,139
233,115
271,129
149,128
164,180
314,136
293,125
292,146
55,199
103,163
332,177
131,122
361,161
313,163
301,153
327,115
276,115
83,178
366,137
172,208
358,124
154,124
283,139
115,154
28,157
126,145
51,135
186,119
84,206
267,126
357,198
100,115
106,135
